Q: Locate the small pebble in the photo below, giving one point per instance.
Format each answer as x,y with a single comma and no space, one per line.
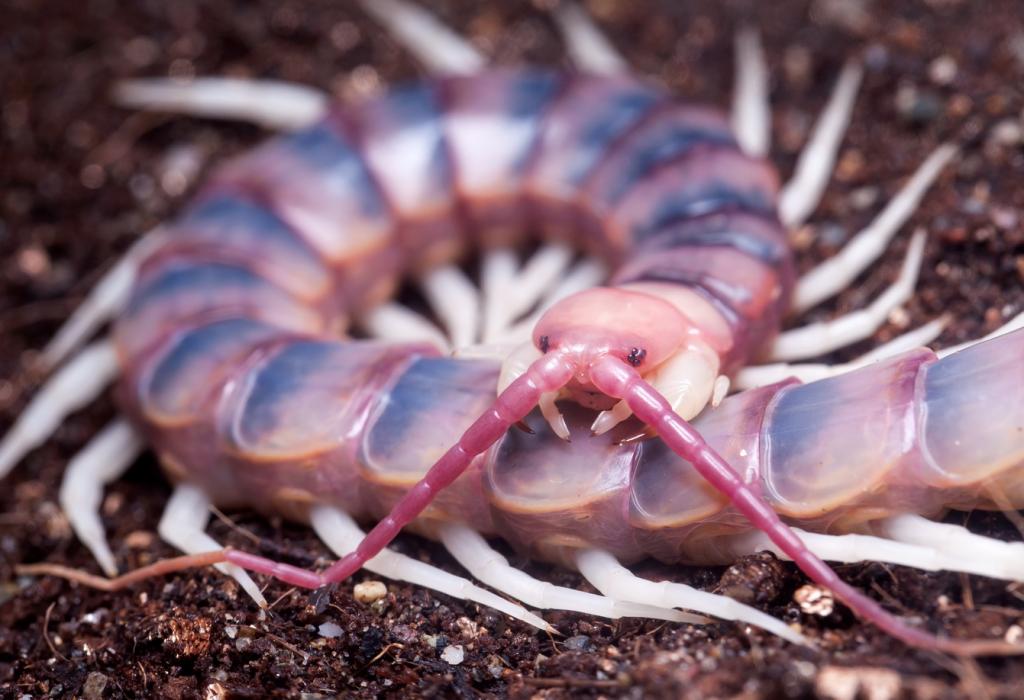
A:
369,591
758,578
917,106
329,630
899,317
1008,132
94,617
1005,218
580,642
839,683
864,197
468,628
453,654
215,691
814,600
494,666
95,684
33,261
942,70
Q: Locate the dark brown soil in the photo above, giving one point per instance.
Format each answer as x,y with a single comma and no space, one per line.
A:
80,179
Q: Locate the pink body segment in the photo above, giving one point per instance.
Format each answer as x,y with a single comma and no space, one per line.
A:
238,370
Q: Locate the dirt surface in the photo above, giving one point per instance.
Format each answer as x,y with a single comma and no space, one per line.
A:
81,179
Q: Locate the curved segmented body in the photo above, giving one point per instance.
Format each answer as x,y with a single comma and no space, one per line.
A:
236,367
232,363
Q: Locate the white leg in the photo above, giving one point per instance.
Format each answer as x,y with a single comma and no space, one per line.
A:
455,300
513,366
341,534
497,273
391,321
931,552
801,194
70,388
583,275
589,48
763,375
183,526
610,577
103,460
842,548
105,300
1015,323
549,409
819,338
488,351
436,46
965,550
273,104
837,273
472,551
751,111
516,363
916,338
537,277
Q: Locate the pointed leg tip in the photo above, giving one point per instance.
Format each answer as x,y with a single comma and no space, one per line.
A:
605,421
559,427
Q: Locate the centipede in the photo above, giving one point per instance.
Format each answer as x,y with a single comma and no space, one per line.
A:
615,384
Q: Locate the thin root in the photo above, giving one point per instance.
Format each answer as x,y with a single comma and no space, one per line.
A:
158,568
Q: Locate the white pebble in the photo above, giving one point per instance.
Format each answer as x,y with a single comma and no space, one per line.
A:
814,600
453,654
942,70
1008,132
329,630
369,591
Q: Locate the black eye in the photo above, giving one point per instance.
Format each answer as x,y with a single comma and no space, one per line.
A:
543,343
636,356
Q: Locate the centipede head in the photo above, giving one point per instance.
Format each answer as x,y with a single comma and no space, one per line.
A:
646,332
640,329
